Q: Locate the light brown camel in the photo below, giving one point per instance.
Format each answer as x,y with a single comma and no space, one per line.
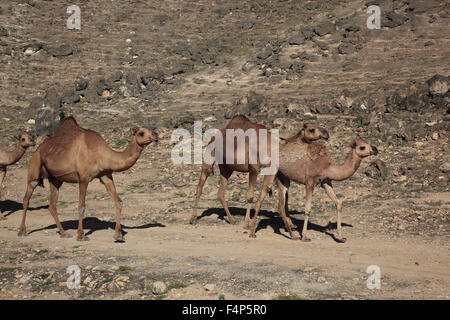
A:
310,132
311,165
8,158
77,155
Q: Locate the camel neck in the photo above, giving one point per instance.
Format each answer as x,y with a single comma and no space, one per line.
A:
121,161
17,153
339,172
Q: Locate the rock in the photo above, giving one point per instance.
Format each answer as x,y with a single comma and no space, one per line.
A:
81,84
377,169
445,167
247,25
159,287
312,5
265,53
297,39
49,114
32,48
438,85
308,32
61,50
210,119
3,32
157,75
435,136
210,287
392,20
248,66
71,98
24,279
324,28
346,48
395,102
419,6
321,44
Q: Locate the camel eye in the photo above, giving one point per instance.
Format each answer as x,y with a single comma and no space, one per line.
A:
141,134
23,139
362,148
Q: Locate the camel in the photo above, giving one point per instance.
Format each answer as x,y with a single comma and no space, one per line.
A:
8,158
310,132
77,155
311,165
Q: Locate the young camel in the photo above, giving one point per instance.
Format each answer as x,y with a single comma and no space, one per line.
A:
8,158
309,133
311,165
77,155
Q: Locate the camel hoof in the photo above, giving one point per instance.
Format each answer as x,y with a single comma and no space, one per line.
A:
247,226
252,235
232,221
341,240
193,221
22,233
83,238
119,239
306,239
295,237
65,235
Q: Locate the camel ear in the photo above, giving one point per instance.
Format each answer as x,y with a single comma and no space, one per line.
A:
134,130
353,145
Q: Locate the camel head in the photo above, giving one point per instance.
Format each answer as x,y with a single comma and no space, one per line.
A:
362,149
26,140
312,132
144,136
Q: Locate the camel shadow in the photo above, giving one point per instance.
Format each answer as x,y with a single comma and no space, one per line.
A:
273,220
13,206
94,224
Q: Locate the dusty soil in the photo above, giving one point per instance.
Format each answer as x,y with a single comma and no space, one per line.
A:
396,219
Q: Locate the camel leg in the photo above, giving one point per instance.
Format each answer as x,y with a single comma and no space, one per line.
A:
82,185
225,175
267,185
330,192
251,190
309,193
54,193
206,171
111,188
26,201
2,177
282,198
286,183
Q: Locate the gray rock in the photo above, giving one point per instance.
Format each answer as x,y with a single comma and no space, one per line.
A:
61,50
393,19
48,113
265,53
438,85
81,84
297,39
324,28
247,25
159,287
248,66
3,32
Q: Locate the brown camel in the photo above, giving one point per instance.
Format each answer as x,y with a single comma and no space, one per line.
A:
311,165
8,158
310,132
77,155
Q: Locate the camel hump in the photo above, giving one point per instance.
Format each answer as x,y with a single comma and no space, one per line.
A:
317,150
69,124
